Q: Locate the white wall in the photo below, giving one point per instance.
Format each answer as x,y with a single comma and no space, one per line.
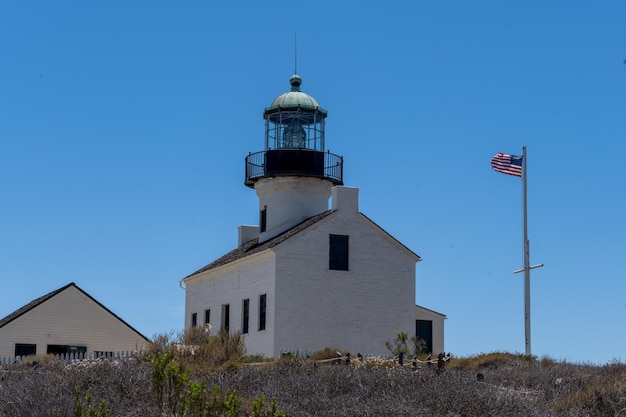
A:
69,318
356,310
311,307
290,200
231,284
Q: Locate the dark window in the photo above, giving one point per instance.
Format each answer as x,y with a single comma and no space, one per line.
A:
25,349
245,316
424,332
103,354
263,219
225,317
207,316
262,311
338,258
194,319
66,350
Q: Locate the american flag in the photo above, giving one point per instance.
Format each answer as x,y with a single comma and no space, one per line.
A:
507,164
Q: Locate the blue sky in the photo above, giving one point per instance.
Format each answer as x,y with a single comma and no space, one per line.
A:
124,127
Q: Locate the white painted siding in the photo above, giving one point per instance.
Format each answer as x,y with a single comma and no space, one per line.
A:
231,284
309,306
356,310
69,318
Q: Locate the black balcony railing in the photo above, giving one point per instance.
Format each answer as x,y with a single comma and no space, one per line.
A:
294,162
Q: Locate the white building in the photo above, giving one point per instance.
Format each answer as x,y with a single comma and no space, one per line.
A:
308,277
67,321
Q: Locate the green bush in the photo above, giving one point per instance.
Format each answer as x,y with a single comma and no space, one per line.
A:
180,387
407,346
85,409
259,409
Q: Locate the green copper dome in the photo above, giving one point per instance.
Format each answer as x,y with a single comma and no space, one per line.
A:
295,100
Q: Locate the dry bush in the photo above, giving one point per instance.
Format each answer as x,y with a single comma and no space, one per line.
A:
327,353
199,351
600,392
49,388
510,385
491,360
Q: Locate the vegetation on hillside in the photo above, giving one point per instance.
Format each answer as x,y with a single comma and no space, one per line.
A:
197,374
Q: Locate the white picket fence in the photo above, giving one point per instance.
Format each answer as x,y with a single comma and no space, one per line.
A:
74,357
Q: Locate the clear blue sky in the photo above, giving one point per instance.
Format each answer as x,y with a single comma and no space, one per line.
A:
124,127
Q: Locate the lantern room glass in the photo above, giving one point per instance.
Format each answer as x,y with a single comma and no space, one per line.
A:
294,130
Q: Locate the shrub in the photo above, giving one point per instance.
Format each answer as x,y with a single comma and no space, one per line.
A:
199,351
511,385
259,409
85,409
405,345
490,360
327,353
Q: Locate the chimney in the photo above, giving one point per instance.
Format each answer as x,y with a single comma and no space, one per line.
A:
247,233
345,198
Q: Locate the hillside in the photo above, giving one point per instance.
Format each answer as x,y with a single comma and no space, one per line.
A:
496,384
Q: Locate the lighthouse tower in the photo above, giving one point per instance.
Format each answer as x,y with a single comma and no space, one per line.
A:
294,174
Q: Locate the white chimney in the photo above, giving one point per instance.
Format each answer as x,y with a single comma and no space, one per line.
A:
247,233
345,198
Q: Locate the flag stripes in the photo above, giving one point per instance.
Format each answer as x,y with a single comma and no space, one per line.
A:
507,164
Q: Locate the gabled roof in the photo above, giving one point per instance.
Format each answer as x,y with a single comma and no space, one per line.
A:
254,246
39,301
25,309
419,258
432,311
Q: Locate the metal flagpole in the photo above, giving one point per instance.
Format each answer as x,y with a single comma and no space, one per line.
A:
526,257
527,266
503,163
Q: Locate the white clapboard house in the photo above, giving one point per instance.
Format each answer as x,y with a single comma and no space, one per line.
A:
309,277
67,321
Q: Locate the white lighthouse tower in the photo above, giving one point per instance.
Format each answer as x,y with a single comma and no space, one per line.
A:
293,176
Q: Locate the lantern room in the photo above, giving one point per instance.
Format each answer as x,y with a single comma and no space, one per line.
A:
294,140
294,121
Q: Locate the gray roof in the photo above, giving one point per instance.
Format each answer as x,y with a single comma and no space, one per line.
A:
38,301
254,246
25,309
432,311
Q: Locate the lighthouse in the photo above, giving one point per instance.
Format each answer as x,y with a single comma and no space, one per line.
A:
294,174
310,275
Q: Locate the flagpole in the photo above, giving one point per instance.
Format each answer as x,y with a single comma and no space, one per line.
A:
526,256
510,165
